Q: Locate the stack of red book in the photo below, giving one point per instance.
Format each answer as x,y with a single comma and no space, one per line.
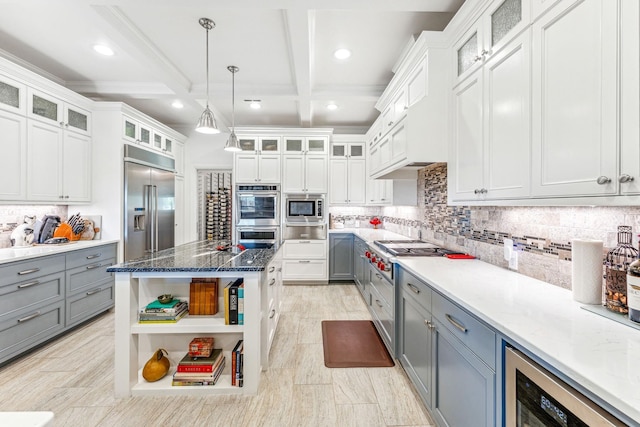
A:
194,371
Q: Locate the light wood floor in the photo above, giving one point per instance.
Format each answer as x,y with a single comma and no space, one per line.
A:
73,377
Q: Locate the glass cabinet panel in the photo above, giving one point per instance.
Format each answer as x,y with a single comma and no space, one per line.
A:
168,145
157,141
9,95
269,144
338,150
356,151
505,17
145,135
293,145
467,53
129,129
247,144
77,120
316,145
45,108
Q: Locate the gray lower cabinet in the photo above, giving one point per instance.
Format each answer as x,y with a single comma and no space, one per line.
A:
42,297
360,262
449,355
340,256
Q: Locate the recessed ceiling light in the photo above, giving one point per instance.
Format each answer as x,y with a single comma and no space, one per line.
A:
255,104
103,49
342,53
332,107
177,104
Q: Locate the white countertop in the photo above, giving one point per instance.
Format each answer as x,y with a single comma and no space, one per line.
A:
27,252
599,354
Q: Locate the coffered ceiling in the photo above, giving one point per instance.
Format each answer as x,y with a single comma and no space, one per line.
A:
284,49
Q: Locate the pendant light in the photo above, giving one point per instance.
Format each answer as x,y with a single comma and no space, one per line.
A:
232,143
207,122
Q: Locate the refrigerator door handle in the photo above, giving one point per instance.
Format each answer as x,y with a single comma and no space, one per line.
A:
154,228
149,221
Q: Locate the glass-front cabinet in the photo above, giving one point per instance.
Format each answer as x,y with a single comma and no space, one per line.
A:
12,95
47,108
503,20
306,145
136,132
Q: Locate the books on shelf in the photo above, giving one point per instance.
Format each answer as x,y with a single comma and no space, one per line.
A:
232,303
236,364
199,370
157,312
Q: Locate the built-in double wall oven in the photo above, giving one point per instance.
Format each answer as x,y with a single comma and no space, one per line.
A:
257,213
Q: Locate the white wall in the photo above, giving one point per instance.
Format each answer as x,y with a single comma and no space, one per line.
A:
200,152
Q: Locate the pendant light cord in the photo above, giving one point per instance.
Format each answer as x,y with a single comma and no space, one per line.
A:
233,101
207,55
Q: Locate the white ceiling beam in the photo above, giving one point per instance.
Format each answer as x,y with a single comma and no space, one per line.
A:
300,26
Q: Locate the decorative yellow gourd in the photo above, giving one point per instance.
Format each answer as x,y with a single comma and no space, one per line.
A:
156,367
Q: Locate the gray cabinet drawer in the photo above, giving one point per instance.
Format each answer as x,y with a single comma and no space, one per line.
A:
383,287
21,332
90,255
31,293
90,302
85,276
27,270
467,328
414,287
383,318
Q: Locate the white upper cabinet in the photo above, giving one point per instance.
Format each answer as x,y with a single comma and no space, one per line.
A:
136,132
306,145
629,174
259,160
574,100
13,129
347,173
53,110
12,95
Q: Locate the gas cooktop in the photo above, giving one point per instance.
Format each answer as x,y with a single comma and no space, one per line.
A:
411,248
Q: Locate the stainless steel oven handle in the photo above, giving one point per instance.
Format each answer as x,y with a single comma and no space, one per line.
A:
414,288
456,324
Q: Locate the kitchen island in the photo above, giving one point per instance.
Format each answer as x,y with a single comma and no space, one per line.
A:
170,271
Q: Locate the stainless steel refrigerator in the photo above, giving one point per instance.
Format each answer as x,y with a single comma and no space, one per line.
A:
149,202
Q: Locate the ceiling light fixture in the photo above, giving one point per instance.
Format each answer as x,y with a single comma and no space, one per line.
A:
342,53
254,104
207,122
332,107
103,49
177,104
232,143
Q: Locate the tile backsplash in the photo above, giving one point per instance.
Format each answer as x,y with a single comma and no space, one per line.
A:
542,235
13,215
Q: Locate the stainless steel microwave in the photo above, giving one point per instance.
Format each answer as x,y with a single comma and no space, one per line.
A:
304,209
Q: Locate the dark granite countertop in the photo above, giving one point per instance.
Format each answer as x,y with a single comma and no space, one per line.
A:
199,256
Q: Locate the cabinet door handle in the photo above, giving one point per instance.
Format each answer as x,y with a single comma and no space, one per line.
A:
23,272
379,303
390,123
379,276
29,317
95,291
414,288
272,269
27,285
273,313
304,261
91,267
625,178
304,241
456,324
271,283
429,324
94,256
602,180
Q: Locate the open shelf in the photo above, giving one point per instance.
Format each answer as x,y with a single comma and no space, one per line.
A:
200,324
163,387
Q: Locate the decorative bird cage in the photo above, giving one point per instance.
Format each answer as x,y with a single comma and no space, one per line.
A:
616,264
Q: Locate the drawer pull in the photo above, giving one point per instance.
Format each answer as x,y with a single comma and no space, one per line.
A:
91,267
94,256
29,317
456,324
95,291
304,241
272,269
23,272
304,261
379,303
414,288
26,285
379,276
273,313
271,283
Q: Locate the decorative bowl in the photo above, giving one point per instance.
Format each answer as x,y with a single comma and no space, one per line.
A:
165,298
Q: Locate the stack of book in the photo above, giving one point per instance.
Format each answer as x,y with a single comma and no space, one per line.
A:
195,371
234,303
236,364
157,312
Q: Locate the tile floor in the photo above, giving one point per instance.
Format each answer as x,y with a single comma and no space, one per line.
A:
73,377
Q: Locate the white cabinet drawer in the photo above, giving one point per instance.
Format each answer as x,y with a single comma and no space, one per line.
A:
304,269
305,249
